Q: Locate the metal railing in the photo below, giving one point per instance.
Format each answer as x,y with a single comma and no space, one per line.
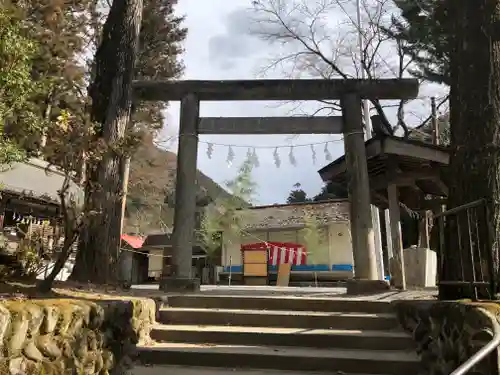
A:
465,260
465,235
483,352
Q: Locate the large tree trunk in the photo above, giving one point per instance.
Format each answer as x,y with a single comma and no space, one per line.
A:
111,93
475,128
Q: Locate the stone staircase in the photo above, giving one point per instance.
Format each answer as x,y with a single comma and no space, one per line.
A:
281,333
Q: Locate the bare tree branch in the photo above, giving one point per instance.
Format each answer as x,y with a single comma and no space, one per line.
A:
319,38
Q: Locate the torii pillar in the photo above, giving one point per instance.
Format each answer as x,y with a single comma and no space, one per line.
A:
362,231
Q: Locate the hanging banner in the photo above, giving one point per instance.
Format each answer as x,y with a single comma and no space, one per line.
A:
281,252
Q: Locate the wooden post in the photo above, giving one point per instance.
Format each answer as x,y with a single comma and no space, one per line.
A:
423,235
397,244
435,140
379,254
180,278
363,236
126,175
390,252
434,121
388,240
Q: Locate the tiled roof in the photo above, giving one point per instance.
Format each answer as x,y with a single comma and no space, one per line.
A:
159,239
134,241
293,215
36,179
163,239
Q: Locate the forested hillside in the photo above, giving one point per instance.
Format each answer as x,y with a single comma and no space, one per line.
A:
150,202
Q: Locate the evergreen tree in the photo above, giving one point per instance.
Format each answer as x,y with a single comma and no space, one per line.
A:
328,191
158,58
158,53
227,215
17,54
424,132
423,27
111,93
331,191
297,195
59,29
311,233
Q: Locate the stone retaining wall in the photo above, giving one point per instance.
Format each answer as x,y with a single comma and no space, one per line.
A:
72,336
449,333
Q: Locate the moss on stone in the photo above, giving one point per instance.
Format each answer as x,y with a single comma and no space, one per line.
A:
448,333
52,336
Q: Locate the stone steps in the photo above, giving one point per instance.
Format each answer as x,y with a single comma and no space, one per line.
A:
285,319
281,333
287,303
320,284
282,358
192,370
309,338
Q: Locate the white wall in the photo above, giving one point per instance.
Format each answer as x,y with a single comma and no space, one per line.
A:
335,244
340,243
232,246
155,262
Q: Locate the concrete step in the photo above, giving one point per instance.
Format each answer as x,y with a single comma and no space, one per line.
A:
289,303
282,358
271,318
185,370
319,284
312,338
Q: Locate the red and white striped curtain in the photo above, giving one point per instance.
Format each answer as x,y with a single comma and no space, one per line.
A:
281,252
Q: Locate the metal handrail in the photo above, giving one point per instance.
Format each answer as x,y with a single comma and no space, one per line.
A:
455,210
483,352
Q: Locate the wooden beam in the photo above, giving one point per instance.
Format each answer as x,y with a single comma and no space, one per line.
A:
271,125
424,152
389,146
362,232
402,179
277,89
373,148
442,186
427,204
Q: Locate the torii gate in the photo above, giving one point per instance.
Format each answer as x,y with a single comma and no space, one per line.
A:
350,93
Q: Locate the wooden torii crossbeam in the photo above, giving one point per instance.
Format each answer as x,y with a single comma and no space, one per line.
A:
349,92
277,89
271,125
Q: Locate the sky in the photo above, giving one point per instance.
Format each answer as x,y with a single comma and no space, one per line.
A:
220,45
